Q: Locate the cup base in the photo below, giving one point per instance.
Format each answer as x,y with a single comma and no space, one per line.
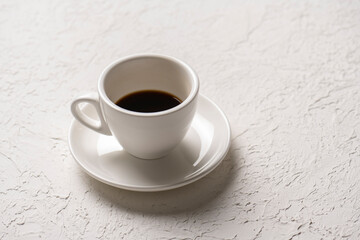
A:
150,157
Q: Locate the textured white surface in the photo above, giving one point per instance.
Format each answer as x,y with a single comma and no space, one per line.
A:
286,74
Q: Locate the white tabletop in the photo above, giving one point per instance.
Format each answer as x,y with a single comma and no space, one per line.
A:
286,74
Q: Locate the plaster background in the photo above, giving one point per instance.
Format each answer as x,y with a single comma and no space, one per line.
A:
286,73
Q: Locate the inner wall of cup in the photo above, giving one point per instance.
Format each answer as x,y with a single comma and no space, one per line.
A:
148,73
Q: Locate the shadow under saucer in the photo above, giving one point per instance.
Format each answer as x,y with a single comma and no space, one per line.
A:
184,199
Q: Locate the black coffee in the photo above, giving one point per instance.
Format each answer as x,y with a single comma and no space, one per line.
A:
148,101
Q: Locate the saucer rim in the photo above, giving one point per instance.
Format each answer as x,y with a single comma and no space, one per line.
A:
164,187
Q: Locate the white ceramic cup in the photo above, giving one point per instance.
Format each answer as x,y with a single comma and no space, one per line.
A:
144,135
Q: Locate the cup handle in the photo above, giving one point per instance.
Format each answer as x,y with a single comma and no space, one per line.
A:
98,126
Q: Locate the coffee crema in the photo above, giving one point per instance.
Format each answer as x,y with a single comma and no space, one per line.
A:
148,101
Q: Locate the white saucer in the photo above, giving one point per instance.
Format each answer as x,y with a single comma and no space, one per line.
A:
201,151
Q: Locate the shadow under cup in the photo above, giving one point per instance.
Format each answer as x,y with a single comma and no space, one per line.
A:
148,135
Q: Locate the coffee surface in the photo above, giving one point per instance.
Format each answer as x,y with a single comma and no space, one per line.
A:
148,101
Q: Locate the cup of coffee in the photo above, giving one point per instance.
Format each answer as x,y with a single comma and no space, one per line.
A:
147,102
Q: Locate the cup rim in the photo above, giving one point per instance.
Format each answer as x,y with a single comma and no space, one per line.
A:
193,93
